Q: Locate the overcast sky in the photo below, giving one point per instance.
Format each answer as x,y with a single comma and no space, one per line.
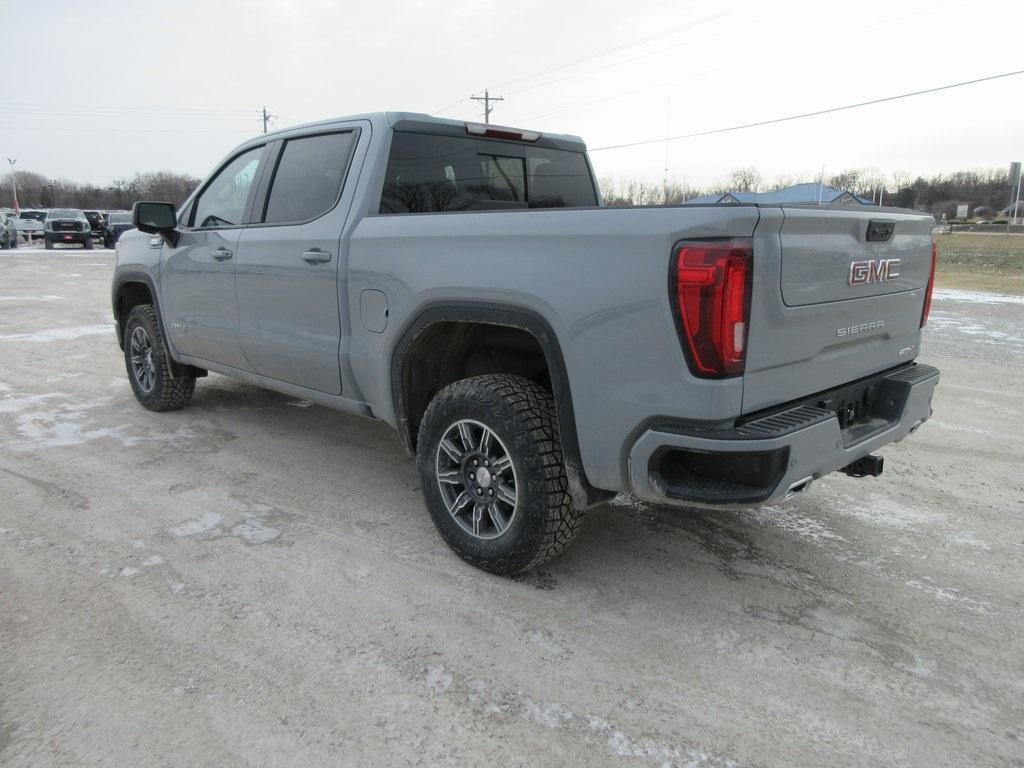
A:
99,90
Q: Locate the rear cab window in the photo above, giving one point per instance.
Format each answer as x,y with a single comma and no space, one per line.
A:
427,173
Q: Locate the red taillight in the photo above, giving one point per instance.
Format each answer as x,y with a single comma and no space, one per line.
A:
931,285
501,132
712,284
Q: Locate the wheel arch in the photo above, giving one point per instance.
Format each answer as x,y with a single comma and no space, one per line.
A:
506,316
128,290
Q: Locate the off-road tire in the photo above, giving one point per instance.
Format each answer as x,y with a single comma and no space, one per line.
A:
167,394
522,415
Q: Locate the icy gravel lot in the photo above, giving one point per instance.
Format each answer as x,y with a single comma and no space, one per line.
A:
254,582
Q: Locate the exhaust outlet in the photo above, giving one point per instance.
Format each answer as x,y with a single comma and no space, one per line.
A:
866,466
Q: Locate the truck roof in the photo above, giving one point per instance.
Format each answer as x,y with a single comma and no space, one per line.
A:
422,122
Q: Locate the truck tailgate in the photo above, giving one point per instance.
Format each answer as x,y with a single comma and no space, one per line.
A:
838,295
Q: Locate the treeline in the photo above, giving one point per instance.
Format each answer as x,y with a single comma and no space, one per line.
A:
982,189
985,189
38,191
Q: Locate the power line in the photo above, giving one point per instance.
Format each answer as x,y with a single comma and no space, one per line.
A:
811,114
128,116
6,105
644,55
118,129
669,82
625,93
621,47
616,63
453,104
592,56
690,41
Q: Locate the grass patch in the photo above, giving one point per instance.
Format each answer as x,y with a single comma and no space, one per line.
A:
993,263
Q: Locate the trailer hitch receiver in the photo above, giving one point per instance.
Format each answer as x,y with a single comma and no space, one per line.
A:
866,466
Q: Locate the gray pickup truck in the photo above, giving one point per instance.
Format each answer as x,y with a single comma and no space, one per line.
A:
536,353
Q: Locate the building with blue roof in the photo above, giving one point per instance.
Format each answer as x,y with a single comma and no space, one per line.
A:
798,194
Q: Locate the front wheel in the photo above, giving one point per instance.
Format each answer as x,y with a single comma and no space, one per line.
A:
49,244
490,465
146,361
88,244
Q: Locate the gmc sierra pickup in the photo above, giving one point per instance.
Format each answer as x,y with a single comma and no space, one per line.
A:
536,353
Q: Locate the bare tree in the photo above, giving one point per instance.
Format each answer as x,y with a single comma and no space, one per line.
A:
746,180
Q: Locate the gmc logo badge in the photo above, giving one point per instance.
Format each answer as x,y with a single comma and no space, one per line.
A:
874,271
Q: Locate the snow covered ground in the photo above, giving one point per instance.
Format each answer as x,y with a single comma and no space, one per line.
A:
250,583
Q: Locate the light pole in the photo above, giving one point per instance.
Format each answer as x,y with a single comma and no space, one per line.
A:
1017,206
14,184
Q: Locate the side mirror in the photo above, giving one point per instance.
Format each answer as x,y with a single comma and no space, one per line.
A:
156,219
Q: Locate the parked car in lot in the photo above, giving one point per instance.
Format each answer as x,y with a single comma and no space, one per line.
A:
67,225
117,224
31,223
8,230
97,223
536,353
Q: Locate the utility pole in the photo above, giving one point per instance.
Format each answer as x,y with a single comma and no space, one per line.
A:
266,118
487,99
14,184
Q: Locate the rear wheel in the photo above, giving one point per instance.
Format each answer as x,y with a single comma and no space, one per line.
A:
147,366
490,464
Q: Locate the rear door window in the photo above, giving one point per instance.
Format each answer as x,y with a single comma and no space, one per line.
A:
308,178
428,173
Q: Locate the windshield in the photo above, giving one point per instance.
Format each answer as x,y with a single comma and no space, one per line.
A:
120,218
34,215
65,213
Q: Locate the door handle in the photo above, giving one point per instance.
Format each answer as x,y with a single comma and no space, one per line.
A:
222,254
316,256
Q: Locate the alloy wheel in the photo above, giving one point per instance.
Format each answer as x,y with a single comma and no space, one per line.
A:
141,352
477,479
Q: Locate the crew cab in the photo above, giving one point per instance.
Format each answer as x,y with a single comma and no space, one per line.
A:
535,352
68,226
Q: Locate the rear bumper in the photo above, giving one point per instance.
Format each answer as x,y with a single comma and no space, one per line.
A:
779,454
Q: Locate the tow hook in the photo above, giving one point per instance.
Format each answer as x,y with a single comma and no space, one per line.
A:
866,466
